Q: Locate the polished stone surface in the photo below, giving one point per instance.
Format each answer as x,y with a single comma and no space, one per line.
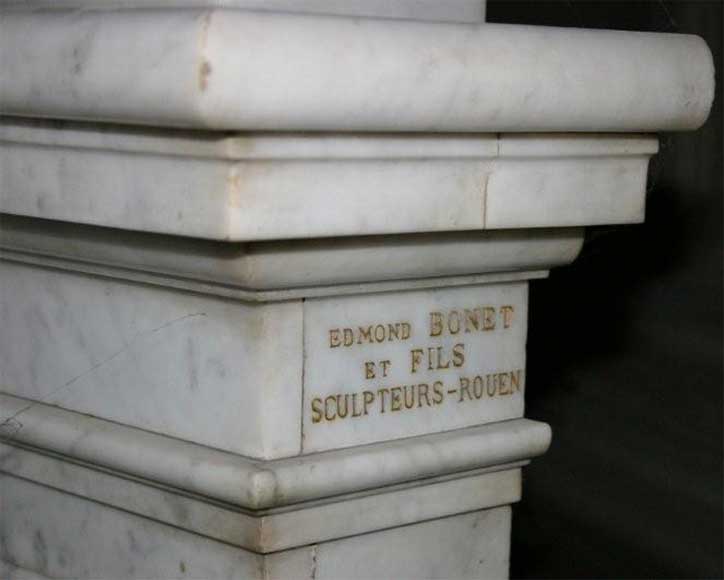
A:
245,70
251,187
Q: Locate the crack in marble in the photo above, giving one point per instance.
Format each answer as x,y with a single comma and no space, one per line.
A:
10,426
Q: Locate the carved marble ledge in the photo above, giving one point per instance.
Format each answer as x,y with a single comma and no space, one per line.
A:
262,485
253,187
184,498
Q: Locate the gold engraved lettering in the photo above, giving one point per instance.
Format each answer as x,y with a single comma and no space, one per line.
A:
370,334
385,364
488,318
422,392
453,322
507,312
515,380
369,398
369,370
416,355
395,398
342,409
442,356
503,385
464,389
437,358
409,396
356,411
381,393
436,327
458,355
472,319
490,385
478,387
481,318
401,398
437,396
316,410
327,405
365,335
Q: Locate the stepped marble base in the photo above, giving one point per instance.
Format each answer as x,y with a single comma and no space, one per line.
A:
61,535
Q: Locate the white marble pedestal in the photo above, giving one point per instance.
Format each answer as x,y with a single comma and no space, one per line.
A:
267,318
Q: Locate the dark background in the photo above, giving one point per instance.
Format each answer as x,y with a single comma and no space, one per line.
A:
625,356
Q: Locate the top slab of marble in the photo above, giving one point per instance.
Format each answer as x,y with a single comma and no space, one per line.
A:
245,70
429,10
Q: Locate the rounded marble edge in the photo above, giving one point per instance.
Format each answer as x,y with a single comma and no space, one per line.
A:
235,69
274,529
258,484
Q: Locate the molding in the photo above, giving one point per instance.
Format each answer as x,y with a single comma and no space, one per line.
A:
259,296
274,529
257,484
261,187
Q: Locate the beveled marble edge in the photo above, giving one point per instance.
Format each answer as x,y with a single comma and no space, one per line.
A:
263,484
276,529
236,69
248,295
238,146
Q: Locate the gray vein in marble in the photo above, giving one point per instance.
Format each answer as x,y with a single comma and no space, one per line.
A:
10,426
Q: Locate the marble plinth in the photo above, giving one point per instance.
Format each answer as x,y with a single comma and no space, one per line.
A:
264,274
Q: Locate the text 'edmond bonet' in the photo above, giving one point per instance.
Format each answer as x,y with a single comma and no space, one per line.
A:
456,322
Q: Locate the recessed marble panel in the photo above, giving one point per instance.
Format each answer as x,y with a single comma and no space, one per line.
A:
387,366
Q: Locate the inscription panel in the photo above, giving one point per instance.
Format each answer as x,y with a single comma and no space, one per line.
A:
387,366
